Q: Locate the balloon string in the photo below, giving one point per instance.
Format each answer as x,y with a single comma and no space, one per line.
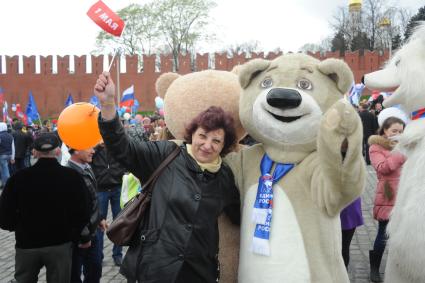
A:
94,109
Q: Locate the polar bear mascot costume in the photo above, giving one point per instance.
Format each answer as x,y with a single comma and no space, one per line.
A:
406,229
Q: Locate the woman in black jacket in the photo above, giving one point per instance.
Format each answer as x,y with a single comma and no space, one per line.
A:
179,239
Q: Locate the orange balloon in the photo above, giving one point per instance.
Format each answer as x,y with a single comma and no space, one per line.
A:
77,126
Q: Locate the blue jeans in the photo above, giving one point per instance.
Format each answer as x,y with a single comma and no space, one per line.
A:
381,237
4,168
87,260
112,196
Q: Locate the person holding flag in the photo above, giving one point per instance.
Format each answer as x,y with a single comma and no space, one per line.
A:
199,182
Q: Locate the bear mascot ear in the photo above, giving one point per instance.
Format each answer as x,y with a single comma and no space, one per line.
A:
163,83
250,70
338,71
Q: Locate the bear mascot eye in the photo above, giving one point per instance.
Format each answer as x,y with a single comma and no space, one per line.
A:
305,84
267,82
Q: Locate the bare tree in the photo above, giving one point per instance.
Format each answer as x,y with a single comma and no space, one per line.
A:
373,14
380,24
404,15
323,46
340,23
393,23
247,47
182,23
326,44
310,47
178,23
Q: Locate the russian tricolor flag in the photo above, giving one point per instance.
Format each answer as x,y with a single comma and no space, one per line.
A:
127,99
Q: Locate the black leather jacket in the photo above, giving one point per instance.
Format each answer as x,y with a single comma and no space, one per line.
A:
107,170
180,237
89,230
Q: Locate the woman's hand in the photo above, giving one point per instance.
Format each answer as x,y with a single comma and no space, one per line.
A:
104,89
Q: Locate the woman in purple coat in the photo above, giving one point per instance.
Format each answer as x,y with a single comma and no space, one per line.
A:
351,218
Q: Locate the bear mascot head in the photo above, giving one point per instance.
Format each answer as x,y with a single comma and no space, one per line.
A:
283,100
188,95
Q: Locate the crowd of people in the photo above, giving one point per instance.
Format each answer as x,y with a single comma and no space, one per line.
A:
17,145
34,183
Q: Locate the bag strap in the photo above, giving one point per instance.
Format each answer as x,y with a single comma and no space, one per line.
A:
160,168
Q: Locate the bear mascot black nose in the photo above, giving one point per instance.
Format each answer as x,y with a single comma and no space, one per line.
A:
284,98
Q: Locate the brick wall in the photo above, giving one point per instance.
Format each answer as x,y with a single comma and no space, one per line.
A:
50,90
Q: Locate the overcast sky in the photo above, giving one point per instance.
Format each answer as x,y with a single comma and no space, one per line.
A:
61,27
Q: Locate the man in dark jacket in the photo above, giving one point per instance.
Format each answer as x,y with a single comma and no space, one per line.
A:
47,206
108,173
87,255
7,152
370,126
23,142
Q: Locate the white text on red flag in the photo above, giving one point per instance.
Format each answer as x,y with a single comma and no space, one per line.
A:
106,18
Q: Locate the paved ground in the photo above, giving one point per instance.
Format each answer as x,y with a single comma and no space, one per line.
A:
358,269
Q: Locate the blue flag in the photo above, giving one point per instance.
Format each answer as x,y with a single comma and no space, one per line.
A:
135,106
95,101
69,101
31,111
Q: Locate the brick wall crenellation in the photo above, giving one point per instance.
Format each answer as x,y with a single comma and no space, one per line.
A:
50,89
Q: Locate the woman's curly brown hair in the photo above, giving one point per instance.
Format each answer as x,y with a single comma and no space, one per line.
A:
214,118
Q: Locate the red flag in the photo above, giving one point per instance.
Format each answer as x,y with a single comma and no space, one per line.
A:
21,115
106,18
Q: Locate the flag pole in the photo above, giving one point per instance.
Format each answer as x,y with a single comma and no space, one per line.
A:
112,61
118,79
117,52
39,120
